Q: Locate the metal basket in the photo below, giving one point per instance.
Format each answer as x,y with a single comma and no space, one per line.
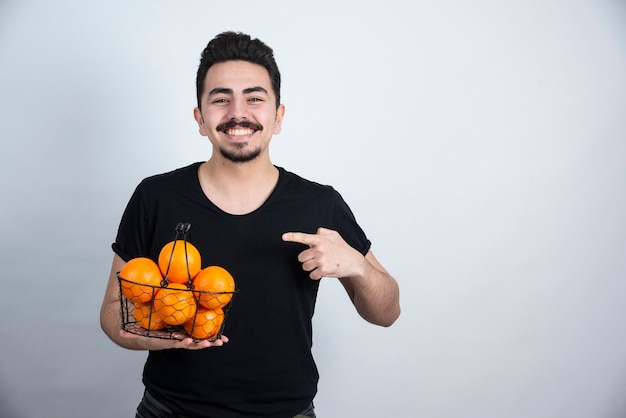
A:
142,318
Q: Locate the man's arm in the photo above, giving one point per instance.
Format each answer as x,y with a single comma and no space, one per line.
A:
111,322
374,293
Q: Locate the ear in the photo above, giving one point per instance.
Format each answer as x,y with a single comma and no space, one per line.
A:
197,115
280,113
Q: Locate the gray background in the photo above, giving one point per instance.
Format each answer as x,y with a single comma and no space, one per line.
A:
482,146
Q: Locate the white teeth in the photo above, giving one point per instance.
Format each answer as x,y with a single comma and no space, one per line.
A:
239,132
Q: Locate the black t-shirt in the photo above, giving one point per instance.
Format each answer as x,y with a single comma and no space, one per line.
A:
266,369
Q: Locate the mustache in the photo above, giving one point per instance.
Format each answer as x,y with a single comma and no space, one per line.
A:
242,124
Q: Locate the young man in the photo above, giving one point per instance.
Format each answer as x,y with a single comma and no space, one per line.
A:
278,235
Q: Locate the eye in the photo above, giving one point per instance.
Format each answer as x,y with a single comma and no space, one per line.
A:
255,99
220,101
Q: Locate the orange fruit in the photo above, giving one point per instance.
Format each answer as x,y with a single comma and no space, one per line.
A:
175,304
179,261
206,325
147,318
140,277
215,286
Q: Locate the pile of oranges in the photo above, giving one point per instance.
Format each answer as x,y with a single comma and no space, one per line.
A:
176,291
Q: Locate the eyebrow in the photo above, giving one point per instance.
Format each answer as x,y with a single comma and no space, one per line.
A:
224,90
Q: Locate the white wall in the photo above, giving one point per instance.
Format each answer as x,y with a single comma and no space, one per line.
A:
481,145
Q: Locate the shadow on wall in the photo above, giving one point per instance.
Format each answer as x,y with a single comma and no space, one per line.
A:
8,408
617,408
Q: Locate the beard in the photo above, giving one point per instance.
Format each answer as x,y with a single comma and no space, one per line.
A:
239,153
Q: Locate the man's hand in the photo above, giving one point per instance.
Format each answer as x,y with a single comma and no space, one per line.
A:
163,344
328,254
373,291
111,322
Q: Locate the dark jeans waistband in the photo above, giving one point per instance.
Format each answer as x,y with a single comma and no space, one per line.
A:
152,408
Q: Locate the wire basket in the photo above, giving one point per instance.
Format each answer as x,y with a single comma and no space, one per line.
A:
173,311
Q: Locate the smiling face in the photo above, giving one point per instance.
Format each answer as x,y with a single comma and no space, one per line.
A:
238,110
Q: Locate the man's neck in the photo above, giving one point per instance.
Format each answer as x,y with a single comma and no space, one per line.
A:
238,188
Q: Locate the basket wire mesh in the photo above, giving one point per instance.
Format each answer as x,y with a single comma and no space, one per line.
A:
142,319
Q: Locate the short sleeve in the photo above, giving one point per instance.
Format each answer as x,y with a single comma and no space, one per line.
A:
133,235
345,223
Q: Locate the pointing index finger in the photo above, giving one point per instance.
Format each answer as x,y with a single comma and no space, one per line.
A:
300,237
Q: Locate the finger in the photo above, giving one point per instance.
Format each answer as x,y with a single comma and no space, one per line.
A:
309,265
192,344
219,341
300,237
129,335
325,231
316,274
306,255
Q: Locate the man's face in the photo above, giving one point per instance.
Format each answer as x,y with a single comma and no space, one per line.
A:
239,114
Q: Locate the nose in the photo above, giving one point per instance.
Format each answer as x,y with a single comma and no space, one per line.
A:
237,109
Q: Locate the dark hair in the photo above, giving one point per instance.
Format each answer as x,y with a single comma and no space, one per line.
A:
234,46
